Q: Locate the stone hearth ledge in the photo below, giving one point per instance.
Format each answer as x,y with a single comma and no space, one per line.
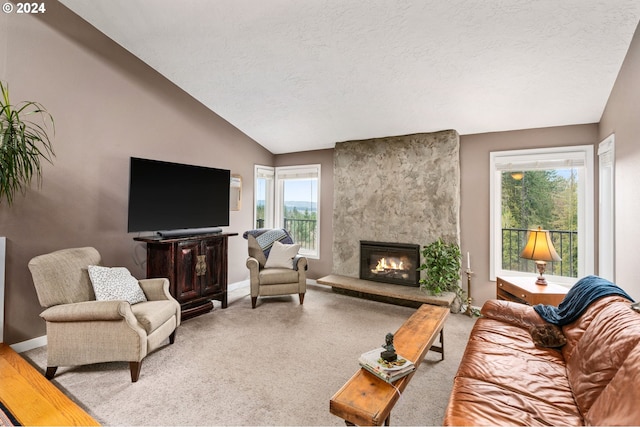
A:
406,293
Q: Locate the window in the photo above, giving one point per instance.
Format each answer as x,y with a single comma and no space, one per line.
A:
288,197
606,229
264,196
550,188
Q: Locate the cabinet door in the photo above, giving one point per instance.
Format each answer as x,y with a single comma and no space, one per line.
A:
187,266
213,279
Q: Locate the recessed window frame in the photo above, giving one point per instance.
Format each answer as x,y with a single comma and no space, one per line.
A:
267,173
274,199
606,208
580,156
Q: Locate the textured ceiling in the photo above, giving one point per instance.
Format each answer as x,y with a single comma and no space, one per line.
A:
300,75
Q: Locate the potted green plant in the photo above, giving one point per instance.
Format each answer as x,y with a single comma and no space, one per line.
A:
442,262
24,142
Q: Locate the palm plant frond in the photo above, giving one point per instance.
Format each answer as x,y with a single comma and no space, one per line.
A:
24,143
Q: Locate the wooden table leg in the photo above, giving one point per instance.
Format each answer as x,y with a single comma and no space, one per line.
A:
439,349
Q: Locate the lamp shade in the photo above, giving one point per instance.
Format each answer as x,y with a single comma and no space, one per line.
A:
539,247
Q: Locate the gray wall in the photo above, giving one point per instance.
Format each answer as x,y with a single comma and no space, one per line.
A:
622,117
107,106
474,164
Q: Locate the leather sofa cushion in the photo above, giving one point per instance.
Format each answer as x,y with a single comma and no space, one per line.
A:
618,403
574,331
521,315
611,336
482,403
502,365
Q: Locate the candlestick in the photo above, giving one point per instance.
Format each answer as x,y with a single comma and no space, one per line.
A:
469,299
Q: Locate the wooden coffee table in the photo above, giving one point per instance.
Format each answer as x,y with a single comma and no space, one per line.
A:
368,400
33,399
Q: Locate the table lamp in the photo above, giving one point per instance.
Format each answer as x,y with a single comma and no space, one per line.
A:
539,248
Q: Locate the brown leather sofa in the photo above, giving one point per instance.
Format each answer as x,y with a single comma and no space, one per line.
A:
593,379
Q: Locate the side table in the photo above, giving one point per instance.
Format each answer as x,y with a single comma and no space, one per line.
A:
524,290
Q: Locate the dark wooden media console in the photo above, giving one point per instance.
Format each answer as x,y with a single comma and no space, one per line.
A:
196,267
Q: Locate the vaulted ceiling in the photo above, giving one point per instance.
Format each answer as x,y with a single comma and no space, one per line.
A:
299,75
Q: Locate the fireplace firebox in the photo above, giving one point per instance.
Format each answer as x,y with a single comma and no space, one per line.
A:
395,263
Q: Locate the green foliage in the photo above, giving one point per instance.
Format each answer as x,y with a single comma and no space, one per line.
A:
442,262
23,144
295,213
542,198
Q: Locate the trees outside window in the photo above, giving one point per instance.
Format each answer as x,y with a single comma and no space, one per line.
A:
549,188
540,198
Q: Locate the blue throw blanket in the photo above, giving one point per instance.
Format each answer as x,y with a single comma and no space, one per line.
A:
583,293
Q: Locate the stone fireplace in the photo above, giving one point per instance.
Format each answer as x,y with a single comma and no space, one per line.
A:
395,263
395,189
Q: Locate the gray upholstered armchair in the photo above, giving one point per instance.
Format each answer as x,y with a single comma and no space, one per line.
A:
82,330
272,277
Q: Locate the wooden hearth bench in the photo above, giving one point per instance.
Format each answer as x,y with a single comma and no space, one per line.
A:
366,399
33,399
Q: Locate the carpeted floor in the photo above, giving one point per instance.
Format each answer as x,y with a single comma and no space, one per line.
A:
276,365
7,418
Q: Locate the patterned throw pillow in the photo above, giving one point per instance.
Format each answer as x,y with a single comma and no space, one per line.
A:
267,239
115,283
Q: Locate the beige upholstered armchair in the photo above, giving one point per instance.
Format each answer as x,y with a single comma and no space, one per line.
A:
275,268
82,330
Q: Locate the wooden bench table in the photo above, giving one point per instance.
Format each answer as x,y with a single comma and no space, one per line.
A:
33,399
368,400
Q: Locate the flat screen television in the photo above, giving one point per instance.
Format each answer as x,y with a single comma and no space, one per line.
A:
173,198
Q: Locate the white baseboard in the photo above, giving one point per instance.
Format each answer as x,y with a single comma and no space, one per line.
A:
238,285
23,346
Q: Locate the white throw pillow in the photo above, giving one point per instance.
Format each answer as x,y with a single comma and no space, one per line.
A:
281,255
115,283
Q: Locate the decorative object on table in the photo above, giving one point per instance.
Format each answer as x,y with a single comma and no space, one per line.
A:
389,354
539,248
373,362
442,269
23,144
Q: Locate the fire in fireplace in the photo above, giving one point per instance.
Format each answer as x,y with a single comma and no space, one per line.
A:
395,263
